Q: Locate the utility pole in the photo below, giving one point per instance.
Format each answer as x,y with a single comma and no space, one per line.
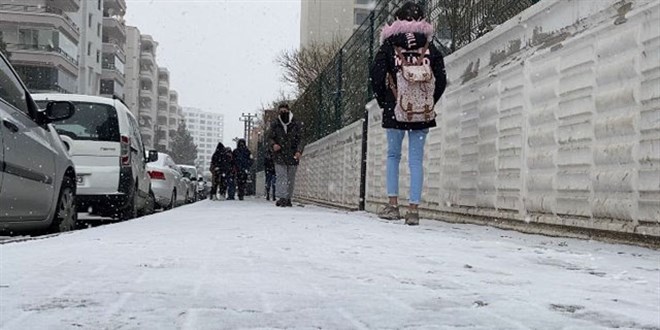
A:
248,125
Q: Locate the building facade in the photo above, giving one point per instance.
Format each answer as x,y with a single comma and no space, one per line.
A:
322,21
206,129
44,42
114,49
90,21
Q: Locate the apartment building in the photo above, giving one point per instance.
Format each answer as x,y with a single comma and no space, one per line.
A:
163,110
90,20
141,74
44,42
322,21
206,129
113,77
174,116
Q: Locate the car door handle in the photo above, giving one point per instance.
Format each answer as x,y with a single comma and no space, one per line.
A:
11,126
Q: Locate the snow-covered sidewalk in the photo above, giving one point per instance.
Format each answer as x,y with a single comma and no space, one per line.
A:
226,265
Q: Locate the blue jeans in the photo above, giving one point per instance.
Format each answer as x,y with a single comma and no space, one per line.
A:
416,141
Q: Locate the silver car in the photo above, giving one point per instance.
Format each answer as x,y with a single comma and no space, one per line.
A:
37,176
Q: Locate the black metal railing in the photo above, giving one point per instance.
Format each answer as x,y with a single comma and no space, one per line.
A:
44,48
40,9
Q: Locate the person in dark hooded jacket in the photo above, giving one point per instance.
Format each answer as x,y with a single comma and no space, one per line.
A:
408,33
243,160
285,140
218,165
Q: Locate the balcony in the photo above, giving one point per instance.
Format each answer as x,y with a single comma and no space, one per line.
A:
111,72
163,101
114,28
66,5
113,47
43,55
117,7
174,97
148,43
147,94
146,76
26,15
147,58
174,111
163,85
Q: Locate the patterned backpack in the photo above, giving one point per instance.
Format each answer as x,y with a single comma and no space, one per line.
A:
414,89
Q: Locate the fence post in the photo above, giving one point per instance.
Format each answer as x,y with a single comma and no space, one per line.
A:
319,110
339,93
365,123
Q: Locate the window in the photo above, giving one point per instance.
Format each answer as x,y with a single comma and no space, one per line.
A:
99,5
89,20
11,91
90,122
89,49
98,56
98,29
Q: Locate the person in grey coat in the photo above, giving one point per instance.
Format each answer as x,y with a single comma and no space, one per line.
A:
285,140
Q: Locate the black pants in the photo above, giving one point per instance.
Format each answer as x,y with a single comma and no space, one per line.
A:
241,181
219,184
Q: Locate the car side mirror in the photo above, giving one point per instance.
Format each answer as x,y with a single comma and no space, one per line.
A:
153,156
59,110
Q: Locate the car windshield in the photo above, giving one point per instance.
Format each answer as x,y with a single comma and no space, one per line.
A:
91,121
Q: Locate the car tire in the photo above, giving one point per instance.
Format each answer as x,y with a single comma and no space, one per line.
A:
150,204
66,215
172,201
131,209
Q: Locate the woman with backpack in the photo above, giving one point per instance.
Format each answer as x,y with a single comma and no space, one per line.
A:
408,78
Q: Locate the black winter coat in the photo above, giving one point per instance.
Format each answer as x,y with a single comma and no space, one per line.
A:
243,158
385,63
219,160
289,140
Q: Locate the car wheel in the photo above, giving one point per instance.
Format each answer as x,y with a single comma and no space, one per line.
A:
187,200
150,204
172,201
66,215
131,209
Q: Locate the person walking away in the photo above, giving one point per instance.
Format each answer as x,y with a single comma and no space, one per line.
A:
217,163
243,160
269,168
408,78
230,175
285,141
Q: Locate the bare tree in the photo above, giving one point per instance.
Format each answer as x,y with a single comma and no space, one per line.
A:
302,66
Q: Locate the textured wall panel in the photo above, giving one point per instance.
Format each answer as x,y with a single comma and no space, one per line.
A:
565,130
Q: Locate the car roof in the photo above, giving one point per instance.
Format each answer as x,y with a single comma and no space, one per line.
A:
188,166
74,98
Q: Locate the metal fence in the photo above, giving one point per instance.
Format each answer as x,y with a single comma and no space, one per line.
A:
338,95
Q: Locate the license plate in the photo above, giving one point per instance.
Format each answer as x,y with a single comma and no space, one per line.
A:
80,180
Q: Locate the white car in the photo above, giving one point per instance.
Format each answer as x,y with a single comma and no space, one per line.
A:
167,182
190,172
104,141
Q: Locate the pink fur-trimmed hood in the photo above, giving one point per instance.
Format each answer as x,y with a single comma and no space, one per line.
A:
398,27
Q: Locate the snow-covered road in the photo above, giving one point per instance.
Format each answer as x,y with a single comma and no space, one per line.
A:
227,265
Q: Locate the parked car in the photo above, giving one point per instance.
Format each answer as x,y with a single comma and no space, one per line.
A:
37,176
170,190
190,172
103,138
203,188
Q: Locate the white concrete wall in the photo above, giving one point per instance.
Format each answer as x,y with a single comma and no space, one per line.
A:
329,170
553,118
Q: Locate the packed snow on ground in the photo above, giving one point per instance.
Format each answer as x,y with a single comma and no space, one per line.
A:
231,264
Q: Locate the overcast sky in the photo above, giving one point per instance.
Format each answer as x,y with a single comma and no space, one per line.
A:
221,53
